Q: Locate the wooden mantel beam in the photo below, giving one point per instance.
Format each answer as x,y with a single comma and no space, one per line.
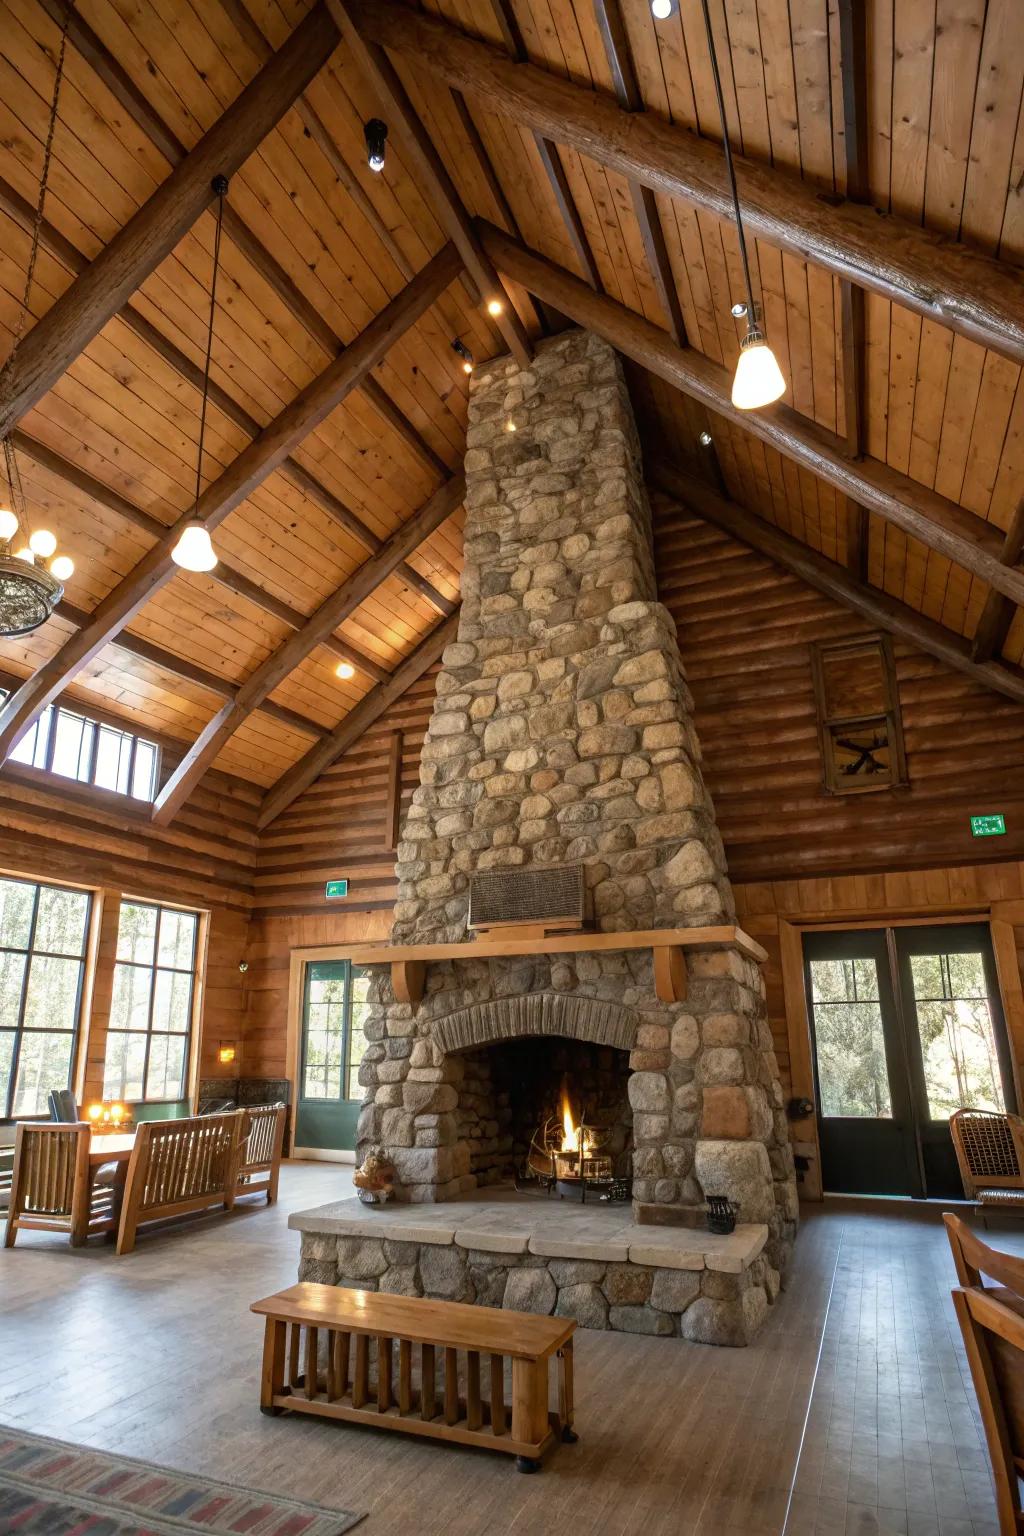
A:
941,524
831,578
369,709
97,294
929,273
252,466
272,673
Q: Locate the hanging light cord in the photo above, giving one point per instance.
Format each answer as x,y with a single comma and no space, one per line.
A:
10,460
727,147
220,186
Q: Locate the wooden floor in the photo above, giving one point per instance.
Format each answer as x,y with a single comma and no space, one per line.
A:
156,1355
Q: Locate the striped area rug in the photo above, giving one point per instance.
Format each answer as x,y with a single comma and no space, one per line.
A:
48,1488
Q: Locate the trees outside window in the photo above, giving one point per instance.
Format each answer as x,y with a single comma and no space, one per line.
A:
151,1008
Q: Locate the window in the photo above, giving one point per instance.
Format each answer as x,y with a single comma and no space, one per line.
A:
858,715
333,1038
65,742
151,1007
43,935
958,1039
852,1075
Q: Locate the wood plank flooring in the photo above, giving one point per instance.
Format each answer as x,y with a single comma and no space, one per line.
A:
157,1356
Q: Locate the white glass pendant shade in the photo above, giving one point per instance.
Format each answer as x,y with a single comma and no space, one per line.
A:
43,543
193,551
758,379
25,554
8,523
63,568
661,10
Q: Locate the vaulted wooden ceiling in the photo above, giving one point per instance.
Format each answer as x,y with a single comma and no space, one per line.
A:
896,463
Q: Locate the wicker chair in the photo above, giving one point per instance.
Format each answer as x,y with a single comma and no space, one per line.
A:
259,1167
990,1150
51,1190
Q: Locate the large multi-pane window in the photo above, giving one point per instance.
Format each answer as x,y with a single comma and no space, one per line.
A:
68,743
43,936
333,1039
151,1009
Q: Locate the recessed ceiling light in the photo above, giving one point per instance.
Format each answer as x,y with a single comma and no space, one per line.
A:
494,306
345,670
661,10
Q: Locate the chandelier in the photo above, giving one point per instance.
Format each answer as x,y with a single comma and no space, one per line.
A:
30,588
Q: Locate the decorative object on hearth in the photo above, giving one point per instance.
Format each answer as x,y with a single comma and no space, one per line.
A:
375,1178
29,589
721,1214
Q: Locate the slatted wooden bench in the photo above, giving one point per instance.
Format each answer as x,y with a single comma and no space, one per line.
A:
317,1358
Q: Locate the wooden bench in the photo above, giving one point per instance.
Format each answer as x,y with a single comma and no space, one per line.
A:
328,1373
179,1167
259,1165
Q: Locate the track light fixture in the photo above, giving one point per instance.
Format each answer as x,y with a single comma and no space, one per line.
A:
461,350
375,133
758,378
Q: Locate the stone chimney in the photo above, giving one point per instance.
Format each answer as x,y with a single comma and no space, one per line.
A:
562,733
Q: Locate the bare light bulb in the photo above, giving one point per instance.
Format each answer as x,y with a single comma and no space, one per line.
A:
494,306
193,551
43,543
8,523
510,425
661,10
345,670
63,568
758,378
467,366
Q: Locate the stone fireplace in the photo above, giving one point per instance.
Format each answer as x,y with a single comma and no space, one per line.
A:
562,733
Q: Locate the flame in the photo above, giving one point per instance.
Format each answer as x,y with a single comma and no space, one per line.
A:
570,1130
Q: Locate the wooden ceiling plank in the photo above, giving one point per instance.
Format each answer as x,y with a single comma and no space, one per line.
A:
150,235
239,480
998,613
832,579
356,723
942,524
960,287
854,76
391,93
332,612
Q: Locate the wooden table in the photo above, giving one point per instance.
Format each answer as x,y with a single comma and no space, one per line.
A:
110,1147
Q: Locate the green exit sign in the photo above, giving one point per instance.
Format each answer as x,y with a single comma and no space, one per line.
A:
336,889
988,826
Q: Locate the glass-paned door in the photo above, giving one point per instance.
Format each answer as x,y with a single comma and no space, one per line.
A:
334,1005
907,1027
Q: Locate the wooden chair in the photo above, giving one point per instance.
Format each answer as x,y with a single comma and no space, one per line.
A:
259,1167
991,1320
180,1166
64,1106
51,1190
990,1151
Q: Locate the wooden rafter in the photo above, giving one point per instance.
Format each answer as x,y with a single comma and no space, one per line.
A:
997,614
921,512
645,206
153,231
369,709
831,578
927,272
429,167
252,466
273,671
853,63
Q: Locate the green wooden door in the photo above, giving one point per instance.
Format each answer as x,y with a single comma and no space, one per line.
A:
329,1096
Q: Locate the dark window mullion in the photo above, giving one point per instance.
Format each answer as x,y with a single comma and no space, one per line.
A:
22,1002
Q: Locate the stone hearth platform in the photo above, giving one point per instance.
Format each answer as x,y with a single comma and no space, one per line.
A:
534,1254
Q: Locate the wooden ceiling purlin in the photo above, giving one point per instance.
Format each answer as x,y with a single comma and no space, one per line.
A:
252,466
831,578
151,234
356,722
448,206
941,524
332,612
928,272
998,613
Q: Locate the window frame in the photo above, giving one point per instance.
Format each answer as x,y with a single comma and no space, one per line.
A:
154,967
7,1117
889,711
349,1068
43,755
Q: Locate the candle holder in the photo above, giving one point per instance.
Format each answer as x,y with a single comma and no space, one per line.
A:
721,1214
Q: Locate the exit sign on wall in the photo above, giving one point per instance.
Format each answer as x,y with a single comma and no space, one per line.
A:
336,889
988,826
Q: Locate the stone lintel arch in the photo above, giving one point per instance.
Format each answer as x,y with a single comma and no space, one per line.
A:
543,1013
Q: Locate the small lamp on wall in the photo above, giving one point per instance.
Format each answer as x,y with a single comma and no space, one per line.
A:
226,1053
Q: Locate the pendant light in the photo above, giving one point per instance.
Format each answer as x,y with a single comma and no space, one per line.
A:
194,551
30,589
758,379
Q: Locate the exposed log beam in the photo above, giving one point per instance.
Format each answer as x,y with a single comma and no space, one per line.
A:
930,273
941,524
154,230
241,477
997,614
369,709
853,64
427,164
831,578
645,205
280,663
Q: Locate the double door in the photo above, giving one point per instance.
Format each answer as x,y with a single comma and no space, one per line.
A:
907,1027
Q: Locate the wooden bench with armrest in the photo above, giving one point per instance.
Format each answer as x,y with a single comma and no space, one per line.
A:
259,1165
180,1166
309,1324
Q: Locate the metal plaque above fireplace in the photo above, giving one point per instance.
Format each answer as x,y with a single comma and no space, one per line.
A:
551,897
